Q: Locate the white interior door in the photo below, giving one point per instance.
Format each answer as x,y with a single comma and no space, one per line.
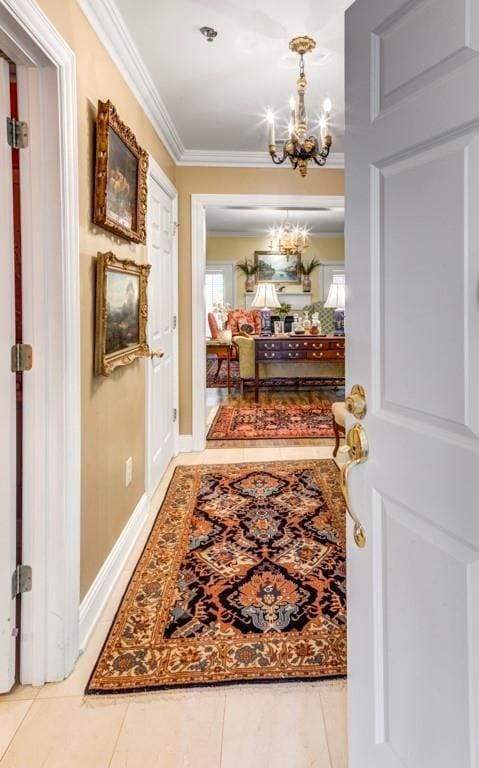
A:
7,400
412,272
161,376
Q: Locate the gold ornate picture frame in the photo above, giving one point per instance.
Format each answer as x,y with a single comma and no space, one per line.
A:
121,172
121,312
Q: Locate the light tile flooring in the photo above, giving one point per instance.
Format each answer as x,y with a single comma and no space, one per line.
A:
287,725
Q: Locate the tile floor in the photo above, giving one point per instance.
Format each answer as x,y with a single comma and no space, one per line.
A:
288,725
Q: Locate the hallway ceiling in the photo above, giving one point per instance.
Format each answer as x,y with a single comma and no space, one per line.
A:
258,221
217,93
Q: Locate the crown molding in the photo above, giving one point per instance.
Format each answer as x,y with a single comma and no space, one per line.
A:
259,236
108,24
232,159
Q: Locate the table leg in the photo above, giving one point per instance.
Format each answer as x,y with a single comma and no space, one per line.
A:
256,381
229,368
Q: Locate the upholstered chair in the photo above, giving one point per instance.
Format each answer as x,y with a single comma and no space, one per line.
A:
221,356
238,317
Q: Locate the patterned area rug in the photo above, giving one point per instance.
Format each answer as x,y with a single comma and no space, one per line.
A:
242,580
250,422
222,381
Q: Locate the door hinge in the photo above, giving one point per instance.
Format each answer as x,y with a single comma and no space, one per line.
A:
174,322
175,414
21,358
21,580
17,133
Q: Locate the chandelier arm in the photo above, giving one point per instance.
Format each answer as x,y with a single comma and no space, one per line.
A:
277,159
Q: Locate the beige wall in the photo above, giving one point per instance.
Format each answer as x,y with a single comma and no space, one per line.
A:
234,249
113,409
259,181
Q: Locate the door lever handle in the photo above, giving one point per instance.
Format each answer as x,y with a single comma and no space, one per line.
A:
155,353
357,442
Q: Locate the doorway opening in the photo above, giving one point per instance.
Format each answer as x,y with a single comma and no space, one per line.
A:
251,388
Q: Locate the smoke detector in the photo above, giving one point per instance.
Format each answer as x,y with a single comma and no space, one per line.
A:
209,33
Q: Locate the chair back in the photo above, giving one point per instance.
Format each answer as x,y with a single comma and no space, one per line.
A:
213,324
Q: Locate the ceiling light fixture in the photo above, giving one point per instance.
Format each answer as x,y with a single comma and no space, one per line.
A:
288,239
300,148
209,33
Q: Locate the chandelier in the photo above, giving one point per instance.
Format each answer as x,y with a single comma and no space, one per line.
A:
288,239
300,148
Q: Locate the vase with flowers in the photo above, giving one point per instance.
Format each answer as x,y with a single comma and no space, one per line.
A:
307,268
221,310
249,269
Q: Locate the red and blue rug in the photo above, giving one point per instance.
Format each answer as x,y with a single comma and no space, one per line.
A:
274,421
243,579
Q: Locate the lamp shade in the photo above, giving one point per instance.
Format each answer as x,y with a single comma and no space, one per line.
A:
265,297
336,296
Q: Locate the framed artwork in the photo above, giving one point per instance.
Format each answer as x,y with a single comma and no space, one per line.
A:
275,267
121,312
121,169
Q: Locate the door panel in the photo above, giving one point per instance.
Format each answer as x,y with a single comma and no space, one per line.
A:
7,401
161,334
412,272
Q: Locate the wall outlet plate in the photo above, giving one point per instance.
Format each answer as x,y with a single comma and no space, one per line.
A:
128,471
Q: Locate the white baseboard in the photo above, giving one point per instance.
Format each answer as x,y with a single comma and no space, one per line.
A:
185,443
99,592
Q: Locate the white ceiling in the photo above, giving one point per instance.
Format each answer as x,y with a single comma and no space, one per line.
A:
258,221
217,93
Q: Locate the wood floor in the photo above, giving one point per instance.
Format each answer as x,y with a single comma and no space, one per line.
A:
216,397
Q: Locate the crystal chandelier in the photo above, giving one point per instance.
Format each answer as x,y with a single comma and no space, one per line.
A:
300,148
288,239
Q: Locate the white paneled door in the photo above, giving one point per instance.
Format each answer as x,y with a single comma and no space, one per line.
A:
412,272
161,376
7,400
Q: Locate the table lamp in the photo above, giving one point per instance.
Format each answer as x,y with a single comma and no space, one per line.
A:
336,301
265,299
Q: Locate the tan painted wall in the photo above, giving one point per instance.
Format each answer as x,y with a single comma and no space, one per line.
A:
198,180
113,409
234,249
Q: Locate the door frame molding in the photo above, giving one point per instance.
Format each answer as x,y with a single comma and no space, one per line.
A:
199,205
46,72
156,172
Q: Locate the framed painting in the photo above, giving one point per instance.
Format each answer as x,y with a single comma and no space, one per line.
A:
121,170
275,267
121,312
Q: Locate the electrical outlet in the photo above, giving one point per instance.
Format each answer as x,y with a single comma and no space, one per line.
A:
128,471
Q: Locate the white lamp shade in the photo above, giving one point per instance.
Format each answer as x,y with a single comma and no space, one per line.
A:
265,297
336,296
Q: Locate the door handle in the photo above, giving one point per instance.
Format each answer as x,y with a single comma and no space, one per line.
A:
155,353
358,445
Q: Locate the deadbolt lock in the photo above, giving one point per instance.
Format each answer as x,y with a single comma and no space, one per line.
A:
356,402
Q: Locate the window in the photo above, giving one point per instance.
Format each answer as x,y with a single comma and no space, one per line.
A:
218,287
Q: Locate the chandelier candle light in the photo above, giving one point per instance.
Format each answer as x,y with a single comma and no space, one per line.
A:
287,239
300,148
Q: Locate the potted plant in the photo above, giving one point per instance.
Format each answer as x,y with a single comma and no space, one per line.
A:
307,268
284,309
249,269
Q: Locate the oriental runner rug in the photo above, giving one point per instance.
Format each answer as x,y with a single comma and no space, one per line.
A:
275,421
242,580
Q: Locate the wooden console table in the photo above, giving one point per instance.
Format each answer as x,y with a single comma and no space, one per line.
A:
295,349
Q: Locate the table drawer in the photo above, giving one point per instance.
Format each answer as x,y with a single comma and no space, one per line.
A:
281,355
326,354
268,346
